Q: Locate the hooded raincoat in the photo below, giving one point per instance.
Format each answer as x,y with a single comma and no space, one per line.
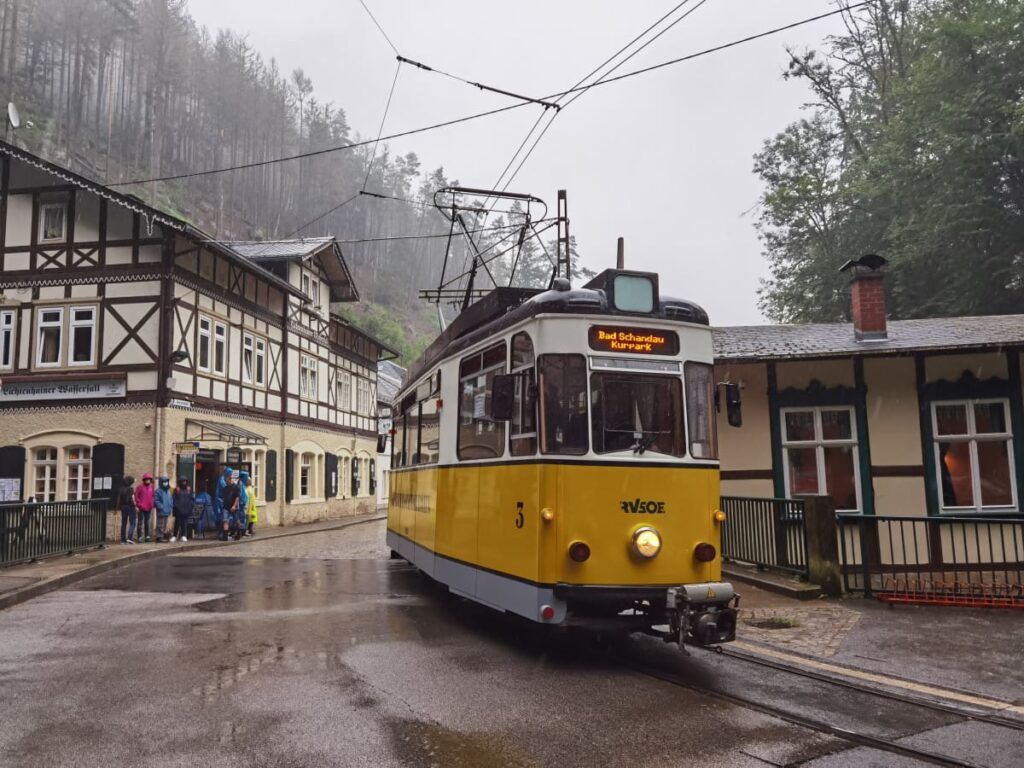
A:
162,499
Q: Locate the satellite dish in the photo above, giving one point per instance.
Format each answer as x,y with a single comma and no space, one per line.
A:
12,115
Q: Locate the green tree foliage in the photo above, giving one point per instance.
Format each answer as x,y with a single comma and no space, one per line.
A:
914,149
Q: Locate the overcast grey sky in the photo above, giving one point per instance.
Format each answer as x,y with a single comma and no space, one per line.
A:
663,159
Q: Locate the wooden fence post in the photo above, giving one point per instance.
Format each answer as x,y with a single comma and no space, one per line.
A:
823,567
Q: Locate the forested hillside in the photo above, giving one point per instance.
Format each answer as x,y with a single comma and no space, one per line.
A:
913,149
134,89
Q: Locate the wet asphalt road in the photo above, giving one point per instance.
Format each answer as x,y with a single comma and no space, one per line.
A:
318,650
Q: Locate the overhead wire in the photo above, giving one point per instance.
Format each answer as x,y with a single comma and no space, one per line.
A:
580,82
578,93
380,130
499,110
377,23
481,86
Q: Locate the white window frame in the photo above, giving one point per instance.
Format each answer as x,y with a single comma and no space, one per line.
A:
311,287
260,362
63,208
248,358
362,396
972,437
308,370
207,334
255,457
50,476
220,338
345,396
40,325
307,470
8,337
820,444
79,472
74,323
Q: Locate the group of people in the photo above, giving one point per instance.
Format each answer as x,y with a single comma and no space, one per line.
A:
231,510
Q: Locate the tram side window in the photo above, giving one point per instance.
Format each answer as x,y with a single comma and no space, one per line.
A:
700,398
430,433
412,429
563,393
523,427
480,437
398,441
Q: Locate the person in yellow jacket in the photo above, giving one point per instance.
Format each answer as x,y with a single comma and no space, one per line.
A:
251,514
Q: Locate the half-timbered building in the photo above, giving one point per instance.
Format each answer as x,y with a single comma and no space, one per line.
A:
131,341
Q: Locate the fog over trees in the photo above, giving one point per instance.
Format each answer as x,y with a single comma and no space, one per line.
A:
135,89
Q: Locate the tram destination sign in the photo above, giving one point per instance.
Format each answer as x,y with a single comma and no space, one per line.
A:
632,340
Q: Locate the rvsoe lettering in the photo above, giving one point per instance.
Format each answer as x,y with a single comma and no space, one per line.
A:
641,507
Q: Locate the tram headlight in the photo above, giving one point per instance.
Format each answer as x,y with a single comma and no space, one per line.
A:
646,542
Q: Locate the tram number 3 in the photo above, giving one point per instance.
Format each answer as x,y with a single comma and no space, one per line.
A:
519,514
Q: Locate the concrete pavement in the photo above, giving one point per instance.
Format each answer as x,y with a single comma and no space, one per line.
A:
23,582
317,649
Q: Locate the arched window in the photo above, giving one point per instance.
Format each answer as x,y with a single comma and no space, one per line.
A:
255,458
344,468
307,468
77,468
44,473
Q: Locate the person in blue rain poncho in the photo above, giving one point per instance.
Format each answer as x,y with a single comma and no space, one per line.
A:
218,496
238,522
229,496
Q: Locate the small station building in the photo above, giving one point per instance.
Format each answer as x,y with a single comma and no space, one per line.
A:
132,342
906,417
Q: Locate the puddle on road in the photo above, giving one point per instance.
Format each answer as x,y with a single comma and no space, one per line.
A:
322,585
425,745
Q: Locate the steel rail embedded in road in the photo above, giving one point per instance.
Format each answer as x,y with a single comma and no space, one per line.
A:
918,701
855,737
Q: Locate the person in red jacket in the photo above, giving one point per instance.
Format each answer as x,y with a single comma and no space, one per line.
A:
144,502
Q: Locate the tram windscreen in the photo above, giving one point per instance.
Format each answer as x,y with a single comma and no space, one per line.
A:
563,399
637,413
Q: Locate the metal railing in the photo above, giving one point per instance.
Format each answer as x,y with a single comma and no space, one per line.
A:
30,531
768,533
942,560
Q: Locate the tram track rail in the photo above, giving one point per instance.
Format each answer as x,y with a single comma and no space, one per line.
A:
861,737
960,711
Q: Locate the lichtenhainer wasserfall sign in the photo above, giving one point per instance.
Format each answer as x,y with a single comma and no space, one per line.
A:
62,390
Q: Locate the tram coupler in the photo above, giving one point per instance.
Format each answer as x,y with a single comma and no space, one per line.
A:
701,614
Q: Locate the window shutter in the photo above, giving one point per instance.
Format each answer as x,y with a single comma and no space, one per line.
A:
289,475
355,476
270,478
373,476
108,461
330,475
12,466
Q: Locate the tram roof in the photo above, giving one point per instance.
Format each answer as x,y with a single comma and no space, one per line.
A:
504,307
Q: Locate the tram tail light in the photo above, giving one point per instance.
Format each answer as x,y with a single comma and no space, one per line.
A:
719,516
547,612
704,552
579,552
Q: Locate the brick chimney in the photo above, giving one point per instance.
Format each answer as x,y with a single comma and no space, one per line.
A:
867,294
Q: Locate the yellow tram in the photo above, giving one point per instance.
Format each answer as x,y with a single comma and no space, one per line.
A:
555,456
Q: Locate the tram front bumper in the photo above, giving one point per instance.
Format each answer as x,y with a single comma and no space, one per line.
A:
702,614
